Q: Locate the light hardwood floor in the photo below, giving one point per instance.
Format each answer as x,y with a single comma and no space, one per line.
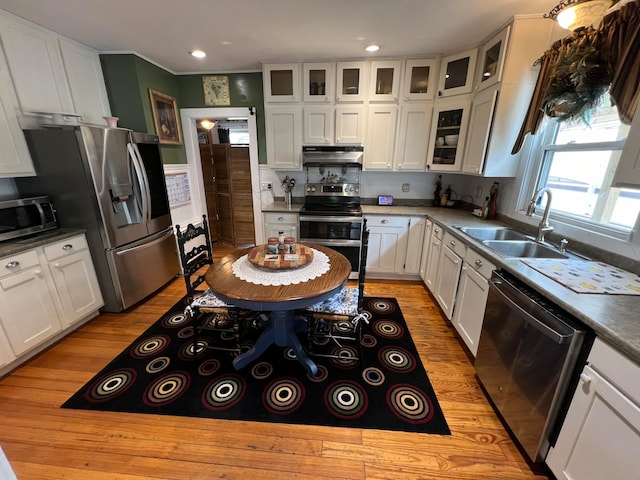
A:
44,442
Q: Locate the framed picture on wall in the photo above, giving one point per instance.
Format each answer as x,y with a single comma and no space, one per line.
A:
216,90
165,118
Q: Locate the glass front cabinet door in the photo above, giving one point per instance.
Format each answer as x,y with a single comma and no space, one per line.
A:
281,83
456,73
492,60
448,132
419,79
385,81
317,82
350,81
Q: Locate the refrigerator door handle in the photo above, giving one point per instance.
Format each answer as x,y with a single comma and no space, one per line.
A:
160,239
142,178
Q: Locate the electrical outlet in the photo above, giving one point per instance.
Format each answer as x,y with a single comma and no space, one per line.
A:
405,187
267,186
479,192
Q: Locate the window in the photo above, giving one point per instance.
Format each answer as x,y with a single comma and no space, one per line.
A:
578,163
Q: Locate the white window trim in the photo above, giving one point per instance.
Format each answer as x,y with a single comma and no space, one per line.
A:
531,161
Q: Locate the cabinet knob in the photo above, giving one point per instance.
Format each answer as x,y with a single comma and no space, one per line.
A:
12,265
478,263
452,243
385,221
280,219
586,379
68,246
436,231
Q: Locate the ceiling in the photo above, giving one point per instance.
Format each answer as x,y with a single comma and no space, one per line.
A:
239,35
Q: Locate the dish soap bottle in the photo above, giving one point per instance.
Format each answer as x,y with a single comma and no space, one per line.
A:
493,201
485,207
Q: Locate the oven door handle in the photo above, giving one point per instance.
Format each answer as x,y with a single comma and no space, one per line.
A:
331,219
332,243
509,295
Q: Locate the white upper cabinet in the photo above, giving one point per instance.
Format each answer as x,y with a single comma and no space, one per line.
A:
456,73
492,60
283,127
36,67
350,120
479,129
627,173
385,81
84,72
318,82
351,78
318,125
413,136
15,160
448,133
381,137
281,82
419,81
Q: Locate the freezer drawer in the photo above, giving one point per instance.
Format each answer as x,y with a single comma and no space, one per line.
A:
139,269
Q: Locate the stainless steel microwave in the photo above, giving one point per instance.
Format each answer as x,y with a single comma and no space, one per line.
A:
22,216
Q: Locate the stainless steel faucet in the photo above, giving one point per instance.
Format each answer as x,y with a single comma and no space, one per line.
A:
543,227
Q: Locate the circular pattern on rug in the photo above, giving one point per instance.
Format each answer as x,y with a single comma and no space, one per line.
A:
368,340
343,326
410,404
283,396
381,306
166,389
224,392
186,332
187,351
346,399
149,346
110,385
289,354
397,359
373,376
261,370
158,364
348,357
388,329
321,340
209,367
323,374
175,320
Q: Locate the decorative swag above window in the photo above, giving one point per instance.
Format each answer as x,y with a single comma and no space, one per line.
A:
577,70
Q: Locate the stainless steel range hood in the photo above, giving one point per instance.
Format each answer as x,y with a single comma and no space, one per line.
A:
332,155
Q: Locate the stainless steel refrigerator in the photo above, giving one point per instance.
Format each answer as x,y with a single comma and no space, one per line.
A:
110,182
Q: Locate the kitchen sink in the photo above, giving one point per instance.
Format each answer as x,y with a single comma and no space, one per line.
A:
522,249
493,233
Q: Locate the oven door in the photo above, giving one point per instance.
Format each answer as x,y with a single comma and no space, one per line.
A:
318,228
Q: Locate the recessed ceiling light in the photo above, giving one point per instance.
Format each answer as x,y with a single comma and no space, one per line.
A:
198,54
225,43
373,48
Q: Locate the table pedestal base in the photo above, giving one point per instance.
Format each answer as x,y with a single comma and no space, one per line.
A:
282,332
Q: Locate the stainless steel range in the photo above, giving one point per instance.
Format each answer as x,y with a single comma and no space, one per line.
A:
331,214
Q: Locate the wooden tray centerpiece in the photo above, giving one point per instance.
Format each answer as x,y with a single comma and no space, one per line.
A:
261,258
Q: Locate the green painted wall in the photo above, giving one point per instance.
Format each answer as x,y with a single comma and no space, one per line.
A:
128,79
245,90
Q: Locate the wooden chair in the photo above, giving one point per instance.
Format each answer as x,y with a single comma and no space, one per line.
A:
340,318
206,311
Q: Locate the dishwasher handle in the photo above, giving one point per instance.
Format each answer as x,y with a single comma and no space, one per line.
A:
518,300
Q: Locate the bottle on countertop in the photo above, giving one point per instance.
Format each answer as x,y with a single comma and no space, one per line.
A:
493,201
446,196
436,194
485,207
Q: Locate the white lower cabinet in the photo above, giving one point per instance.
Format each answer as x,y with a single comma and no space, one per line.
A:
44,291
449,268
275,222
433,259
395,245
471,298
28,311
426,243
75,279
600,436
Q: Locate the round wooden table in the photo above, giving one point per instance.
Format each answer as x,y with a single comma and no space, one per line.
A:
279,301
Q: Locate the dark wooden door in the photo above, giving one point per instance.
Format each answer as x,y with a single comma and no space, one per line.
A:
242,205
226,232
209,181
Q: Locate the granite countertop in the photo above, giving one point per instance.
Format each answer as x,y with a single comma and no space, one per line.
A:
614,318
12,247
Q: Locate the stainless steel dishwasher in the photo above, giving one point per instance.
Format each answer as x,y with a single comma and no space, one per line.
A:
526,360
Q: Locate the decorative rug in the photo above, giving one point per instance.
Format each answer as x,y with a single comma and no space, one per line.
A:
159,373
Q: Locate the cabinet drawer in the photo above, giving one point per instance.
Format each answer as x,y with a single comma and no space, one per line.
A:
437,231
386,221
284,218
454,244
483,266
65,247
16,263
